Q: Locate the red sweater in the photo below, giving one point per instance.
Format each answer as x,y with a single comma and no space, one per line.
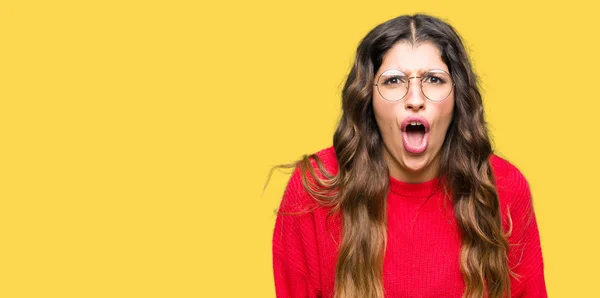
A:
422,254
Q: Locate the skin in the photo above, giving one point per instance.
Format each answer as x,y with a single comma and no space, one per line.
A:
412,60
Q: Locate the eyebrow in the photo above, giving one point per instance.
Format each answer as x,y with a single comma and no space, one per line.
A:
418,72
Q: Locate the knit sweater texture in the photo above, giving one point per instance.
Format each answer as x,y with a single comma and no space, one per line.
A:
423,239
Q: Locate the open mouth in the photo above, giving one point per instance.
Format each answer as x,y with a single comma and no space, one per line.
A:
415,134
415,137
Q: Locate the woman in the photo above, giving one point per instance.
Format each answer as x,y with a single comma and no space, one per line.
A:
410,201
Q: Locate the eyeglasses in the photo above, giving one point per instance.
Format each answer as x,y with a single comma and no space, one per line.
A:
393,84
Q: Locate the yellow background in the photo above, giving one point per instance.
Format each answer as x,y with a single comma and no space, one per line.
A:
136,136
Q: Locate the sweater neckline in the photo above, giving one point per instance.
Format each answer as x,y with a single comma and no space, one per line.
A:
421,189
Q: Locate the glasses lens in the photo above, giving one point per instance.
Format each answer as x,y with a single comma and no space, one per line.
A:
392,85
437,85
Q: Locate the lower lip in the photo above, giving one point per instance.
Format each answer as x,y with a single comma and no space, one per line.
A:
415,149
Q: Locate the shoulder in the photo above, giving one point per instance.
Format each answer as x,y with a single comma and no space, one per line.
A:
329,158
514,193
296,198
509,179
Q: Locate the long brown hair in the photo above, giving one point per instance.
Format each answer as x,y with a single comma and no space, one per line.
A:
359,190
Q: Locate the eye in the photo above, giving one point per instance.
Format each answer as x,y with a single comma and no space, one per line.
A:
394,80
434,79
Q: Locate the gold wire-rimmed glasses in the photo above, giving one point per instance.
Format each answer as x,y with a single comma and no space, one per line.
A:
393,84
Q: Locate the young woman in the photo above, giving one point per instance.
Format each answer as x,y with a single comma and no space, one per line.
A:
410,201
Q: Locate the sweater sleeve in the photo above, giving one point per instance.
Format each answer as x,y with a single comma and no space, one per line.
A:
295,254
525,253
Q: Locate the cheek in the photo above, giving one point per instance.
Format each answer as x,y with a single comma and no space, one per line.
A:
446,109
384,114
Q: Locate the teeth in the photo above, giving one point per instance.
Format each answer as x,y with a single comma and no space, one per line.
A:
414,123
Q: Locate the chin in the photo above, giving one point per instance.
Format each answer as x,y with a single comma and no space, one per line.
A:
415,163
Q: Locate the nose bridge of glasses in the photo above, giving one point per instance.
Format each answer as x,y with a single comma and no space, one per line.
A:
418,88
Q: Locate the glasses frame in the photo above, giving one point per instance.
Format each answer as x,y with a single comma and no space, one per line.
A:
420,84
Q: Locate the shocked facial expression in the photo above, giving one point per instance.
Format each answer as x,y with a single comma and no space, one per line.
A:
414,127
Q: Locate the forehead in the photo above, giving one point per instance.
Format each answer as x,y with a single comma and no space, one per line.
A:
413,59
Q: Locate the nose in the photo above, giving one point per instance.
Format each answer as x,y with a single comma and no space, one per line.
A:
414,99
